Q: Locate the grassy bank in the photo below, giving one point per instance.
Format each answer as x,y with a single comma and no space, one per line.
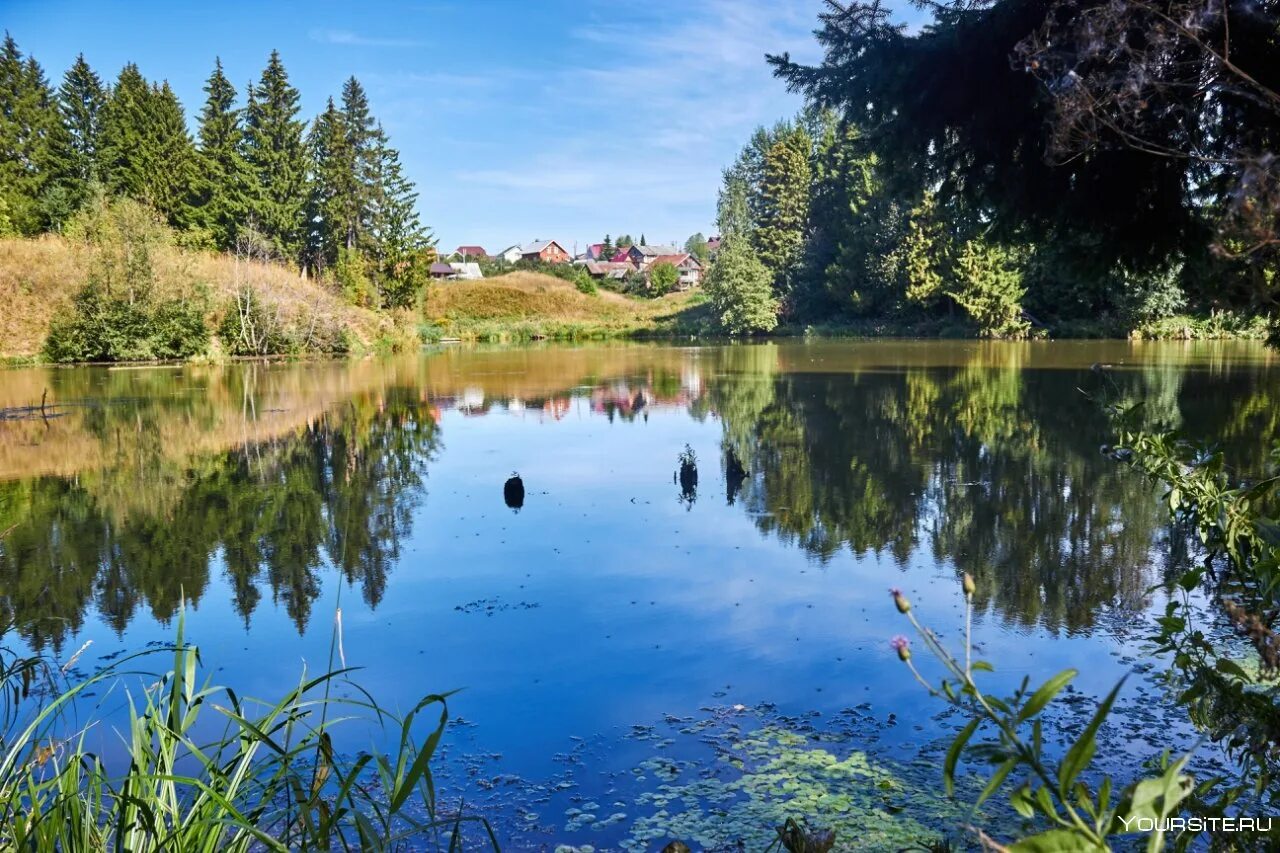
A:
521,306
40,278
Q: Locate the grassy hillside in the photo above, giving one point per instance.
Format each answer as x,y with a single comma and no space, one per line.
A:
529,305
39,278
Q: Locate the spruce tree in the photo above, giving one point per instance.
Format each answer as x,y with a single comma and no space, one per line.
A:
34,165
329,177
80,99
276,155
145,152
171,182
121,155
402,243
363,141
784,206
224,182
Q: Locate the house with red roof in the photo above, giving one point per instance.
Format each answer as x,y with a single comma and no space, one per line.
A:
689,268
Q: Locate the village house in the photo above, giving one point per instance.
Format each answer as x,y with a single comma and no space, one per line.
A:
644,256
609,269
470,253
441,270
546,251
688,266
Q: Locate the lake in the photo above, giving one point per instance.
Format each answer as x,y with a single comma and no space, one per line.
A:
641,653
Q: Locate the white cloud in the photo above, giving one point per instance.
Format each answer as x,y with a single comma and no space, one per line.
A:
350,39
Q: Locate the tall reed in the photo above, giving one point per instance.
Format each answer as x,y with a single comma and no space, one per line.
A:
206,769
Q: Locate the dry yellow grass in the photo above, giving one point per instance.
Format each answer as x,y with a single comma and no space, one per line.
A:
40,277
529,302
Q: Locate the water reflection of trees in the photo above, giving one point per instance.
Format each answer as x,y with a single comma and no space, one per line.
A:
981,458
991,468
339,492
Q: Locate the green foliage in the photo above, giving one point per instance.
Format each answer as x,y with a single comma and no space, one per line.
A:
144,151
663,277
988,286
923,258
34,145
696,245
352,275
210,768
1234,520
224,182
81,99
733,215
121,314
741,290
277,157
1051,792
784,206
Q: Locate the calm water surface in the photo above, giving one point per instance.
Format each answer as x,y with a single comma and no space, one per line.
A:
639,656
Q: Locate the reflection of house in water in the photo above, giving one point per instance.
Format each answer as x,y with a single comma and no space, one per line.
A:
623,398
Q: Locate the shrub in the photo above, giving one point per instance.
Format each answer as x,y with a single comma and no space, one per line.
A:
102,326
211,769
988,286
121,314
741,290
352,274
662,278
249,327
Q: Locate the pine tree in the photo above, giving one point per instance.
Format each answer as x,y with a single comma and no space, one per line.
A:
81,99
276,155
607,250
642,240
224,181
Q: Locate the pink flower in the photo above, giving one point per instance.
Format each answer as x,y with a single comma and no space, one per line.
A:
902,646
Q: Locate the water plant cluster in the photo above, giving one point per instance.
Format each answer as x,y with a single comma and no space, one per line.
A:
205,768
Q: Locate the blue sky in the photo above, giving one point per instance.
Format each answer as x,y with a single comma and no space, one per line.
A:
517,120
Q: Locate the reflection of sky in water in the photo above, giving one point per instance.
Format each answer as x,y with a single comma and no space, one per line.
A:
606,602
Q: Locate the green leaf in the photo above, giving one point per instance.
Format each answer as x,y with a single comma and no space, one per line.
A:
1045,694
997,779
1054,841
1229,667
953,755
1082,751
1022,801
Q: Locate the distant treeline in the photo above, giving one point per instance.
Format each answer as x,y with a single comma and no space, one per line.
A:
328,196
999,171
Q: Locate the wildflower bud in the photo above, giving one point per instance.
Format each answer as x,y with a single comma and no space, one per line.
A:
899,600
902,646
968,585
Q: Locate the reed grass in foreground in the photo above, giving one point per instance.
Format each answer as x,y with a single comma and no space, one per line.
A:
267,777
